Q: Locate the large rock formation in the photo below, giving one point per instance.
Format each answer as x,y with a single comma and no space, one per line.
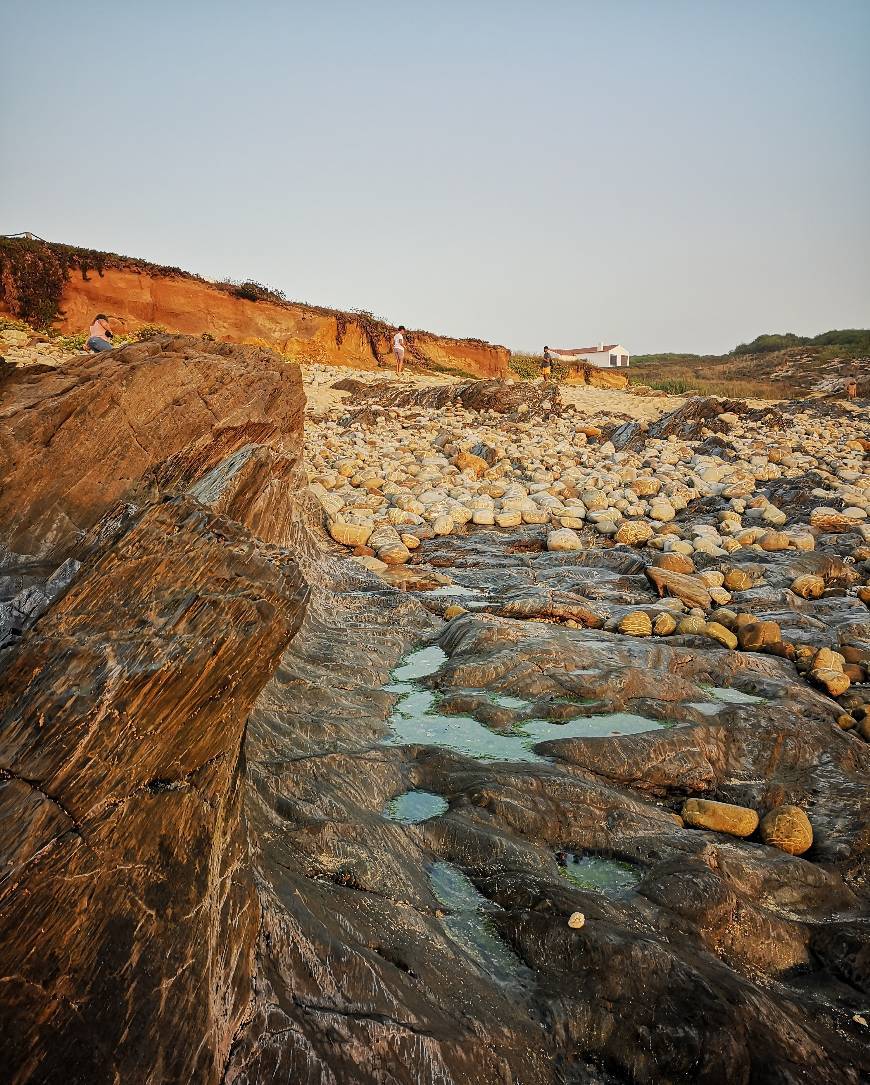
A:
136,293
165,472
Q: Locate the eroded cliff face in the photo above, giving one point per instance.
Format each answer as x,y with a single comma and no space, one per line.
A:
306,334
161,478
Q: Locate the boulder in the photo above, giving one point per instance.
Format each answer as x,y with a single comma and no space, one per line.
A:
827,659
645,487
509,518
636,624
787,828
755,636
394,553
664,624
720,817
721,634
350,534
808,586
634,533
835,682
373,564
454,611
675,563
662,510
690,589
564,539
829,521
773,541
737,580
467,461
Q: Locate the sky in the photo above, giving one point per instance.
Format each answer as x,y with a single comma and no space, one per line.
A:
676,175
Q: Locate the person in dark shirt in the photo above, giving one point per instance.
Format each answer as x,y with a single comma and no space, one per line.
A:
546,365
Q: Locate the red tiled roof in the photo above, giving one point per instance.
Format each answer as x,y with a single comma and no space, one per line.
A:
584,350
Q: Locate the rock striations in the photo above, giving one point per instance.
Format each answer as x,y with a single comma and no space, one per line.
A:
164,472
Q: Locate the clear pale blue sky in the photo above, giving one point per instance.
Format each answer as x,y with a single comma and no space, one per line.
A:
674,174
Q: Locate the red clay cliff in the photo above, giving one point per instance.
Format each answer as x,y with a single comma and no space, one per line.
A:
135,293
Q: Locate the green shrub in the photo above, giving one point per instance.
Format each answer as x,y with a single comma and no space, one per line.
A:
847,337
765,344
73,342
15,325
149,331
670,359
32,278
251,291
528,367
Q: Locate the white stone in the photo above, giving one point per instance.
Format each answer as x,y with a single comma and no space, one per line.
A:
564,539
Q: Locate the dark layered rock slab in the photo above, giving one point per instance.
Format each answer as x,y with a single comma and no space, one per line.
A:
128,910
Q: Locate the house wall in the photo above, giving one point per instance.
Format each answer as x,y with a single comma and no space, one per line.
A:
602,360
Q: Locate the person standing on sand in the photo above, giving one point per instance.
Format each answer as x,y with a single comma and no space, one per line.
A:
546,365
99,334
852,388
399,349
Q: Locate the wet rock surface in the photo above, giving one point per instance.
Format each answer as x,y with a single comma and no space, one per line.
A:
128,910
305,933
731,958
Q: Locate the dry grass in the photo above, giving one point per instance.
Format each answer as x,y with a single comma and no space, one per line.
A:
789,373
681,381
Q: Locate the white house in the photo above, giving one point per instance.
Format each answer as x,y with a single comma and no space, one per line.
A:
605,355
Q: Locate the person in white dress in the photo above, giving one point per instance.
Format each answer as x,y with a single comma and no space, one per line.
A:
399,349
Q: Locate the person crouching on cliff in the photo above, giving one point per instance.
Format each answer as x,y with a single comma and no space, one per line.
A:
399,349
100,334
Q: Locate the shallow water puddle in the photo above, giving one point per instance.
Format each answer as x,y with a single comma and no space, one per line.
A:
723,695
708,708
415,806
610,724
613,877
460,733
420,663
416,721
472,598
505,701
469,926
732,696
